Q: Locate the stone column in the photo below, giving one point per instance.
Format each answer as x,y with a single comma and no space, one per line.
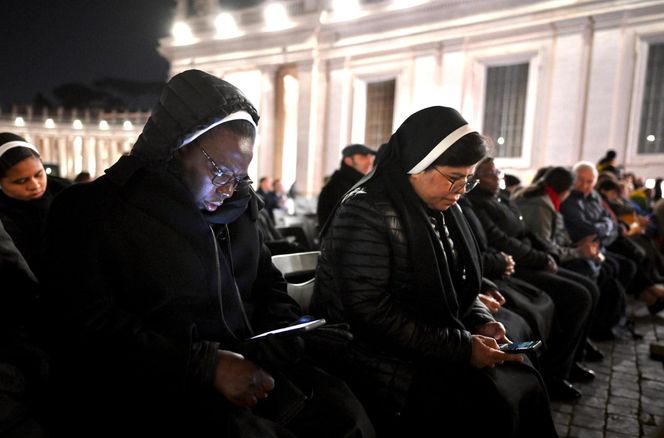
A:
264,154
311,122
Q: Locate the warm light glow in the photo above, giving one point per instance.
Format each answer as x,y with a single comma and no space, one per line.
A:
500,140
49,123
401,4
77,124
650,137
289,158
226,26
127,125
346,9
77,160
276,17
182,34
650,183
103,125
19,121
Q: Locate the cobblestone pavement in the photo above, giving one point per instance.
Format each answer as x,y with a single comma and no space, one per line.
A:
626,399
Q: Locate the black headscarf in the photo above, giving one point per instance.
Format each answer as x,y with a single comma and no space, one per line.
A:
408,146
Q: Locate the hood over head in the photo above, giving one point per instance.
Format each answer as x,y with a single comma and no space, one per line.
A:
191,103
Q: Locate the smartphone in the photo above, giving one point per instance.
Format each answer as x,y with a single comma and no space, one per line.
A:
520,347
292,329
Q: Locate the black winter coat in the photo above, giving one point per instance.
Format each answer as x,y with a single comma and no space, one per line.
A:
505,230
147,313
365,277
340,182
24,221
139,281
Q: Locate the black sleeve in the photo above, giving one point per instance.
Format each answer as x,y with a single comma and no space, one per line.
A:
362,268
524,255
88,323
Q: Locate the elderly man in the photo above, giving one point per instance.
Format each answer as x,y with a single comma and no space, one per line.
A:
356,161
586,215
157,278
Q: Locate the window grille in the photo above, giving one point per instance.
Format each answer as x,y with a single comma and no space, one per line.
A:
380,112
505,108
651,132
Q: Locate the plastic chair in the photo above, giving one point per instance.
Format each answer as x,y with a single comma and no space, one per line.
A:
299,270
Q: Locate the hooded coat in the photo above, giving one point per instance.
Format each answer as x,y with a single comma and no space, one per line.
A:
143,288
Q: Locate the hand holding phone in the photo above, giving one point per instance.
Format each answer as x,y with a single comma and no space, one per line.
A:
520,347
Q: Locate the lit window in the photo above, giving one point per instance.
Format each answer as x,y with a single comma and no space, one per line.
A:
127,125
505,108
49,123
651,131
77,124
379,112
103,125
19,121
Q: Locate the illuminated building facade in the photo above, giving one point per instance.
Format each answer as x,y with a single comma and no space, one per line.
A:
71,142
552,82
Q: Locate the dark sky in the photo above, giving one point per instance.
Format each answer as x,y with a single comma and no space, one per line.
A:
45,43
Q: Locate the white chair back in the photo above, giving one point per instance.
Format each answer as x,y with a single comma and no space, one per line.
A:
299,264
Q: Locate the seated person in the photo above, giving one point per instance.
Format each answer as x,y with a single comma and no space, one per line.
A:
159,276
540,207
399,263
575,296
23,365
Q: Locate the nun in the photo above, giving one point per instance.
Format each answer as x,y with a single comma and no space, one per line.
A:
400,264
26,193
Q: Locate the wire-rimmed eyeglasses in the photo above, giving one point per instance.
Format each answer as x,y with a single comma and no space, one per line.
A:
465,184
221,178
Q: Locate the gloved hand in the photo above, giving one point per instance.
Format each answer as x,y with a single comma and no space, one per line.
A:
273,352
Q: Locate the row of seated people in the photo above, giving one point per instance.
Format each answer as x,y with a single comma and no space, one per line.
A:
556,267
156,276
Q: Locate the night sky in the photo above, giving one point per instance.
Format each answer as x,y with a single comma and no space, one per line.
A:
45,43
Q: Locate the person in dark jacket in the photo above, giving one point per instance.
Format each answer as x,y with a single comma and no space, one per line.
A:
356,161
535,306
574,296
23,365
400,264
26,193
586,214
158,278
540,206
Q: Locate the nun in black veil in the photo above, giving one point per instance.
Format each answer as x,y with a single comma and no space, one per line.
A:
400,264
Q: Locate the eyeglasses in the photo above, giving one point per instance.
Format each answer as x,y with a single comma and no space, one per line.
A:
466,184
221,178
